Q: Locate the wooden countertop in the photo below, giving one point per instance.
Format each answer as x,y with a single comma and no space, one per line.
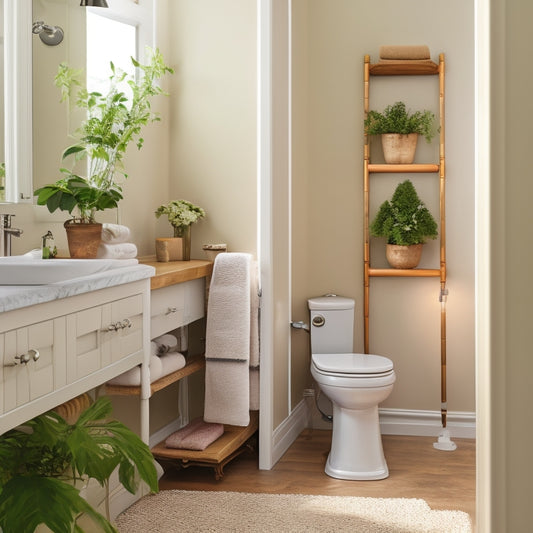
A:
176,271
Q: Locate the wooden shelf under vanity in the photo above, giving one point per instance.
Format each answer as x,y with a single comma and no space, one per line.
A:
194,364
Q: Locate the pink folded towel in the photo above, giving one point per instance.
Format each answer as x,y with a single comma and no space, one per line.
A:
197,435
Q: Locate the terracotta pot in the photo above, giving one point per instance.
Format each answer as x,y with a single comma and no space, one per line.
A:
399,149
403,256
83,239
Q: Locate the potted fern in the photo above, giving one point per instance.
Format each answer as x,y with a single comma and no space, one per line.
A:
113,121
181,215
399,130
406,223
41,460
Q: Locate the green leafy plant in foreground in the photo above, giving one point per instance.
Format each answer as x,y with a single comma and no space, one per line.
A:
405,220
40,460
396,119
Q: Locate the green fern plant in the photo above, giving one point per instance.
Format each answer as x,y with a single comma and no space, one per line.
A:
39,461
397,119
405,220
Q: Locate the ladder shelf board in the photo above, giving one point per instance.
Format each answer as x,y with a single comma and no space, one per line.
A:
193,365
413,168
404,273
404,68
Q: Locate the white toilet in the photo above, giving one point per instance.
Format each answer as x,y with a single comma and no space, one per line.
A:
355,383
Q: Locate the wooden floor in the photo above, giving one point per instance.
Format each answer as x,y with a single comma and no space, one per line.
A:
446,480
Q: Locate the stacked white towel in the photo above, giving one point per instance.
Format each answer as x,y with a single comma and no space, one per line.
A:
163,361
115,243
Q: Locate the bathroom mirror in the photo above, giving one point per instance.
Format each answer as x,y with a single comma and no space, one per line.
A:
38,125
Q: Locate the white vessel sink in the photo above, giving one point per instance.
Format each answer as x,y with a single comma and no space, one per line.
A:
25,270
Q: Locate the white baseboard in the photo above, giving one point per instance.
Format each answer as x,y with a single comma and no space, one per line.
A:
420,423
285,434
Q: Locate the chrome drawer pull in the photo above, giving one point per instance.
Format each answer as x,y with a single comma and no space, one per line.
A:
126,323
171,310
25,358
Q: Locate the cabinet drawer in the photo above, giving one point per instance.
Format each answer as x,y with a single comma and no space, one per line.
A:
102,335
167,309
22,383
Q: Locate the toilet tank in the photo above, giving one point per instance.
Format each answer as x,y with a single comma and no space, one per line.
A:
331,324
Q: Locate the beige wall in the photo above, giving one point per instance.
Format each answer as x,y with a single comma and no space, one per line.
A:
330,41
212,159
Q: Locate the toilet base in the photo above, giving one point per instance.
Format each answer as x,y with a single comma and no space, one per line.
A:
355,476
356,447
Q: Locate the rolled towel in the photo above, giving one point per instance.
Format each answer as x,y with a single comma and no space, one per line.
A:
115,233
123,250
132,377
197,435
170,362
165,343
404,52
154,348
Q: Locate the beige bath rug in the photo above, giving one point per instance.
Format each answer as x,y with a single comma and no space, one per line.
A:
173,511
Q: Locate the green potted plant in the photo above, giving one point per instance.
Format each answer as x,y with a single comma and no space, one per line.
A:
406,223
181,214
399,130
113,121
41,460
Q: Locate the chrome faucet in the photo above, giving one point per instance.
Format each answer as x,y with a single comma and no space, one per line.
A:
6,232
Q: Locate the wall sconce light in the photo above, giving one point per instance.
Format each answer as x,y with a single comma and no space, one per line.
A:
93,3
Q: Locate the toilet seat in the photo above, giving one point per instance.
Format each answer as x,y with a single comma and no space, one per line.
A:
352,364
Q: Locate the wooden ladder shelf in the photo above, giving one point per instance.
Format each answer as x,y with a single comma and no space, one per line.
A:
407,69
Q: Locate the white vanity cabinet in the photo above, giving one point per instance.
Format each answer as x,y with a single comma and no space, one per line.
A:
56,350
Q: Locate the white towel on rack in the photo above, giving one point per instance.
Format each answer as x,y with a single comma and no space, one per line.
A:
227,375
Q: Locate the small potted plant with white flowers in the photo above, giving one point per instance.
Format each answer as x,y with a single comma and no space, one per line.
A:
181,214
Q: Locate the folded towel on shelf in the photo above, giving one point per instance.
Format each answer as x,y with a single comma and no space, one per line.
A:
132,377
123,250
171,362
404,52
227,353
197,435
165,343
115,233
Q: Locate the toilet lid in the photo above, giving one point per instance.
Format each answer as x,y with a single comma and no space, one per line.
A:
352,363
